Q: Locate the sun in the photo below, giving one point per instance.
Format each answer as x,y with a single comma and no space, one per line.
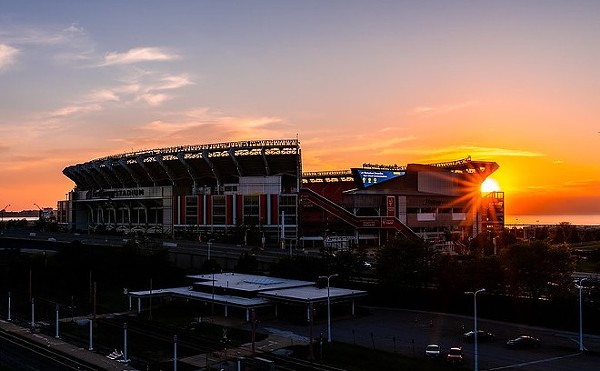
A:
489,185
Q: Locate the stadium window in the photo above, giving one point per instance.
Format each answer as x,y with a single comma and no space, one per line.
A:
251,210
218,208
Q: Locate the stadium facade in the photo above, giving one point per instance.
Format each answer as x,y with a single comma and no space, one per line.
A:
254,192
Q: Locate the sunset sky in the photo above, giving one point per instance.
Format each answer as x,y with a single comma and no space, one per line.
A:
391,82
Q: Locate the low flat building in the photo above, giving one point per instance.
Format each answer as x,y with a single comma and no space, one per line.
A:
249,292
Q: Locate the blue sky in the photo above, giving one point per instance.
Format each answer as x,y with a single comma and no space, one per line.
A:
357,81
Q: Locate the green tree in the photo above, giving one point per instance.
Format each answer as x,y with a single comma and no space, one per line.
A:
452,275
504,239
247,263
346,263
537,269
483,243
565,232
405,262
300,268
541,233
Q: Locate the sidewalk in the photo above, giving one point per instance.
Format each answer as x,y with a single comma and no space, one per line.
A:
66,348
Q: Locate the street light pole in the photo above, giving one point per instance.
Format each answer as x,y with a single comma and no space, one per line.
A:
328,306
580,287
209,244
475,324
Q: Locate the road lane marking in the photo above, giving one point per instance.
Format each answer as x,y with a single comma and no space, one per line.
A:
532,362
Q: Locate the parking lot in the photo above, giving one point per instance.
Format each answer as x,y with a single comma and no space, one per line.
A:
409,332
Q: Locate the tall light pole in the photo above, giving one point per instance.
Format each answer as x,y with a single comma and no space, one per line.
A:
475,323
4,211
580,287
209,243
328,306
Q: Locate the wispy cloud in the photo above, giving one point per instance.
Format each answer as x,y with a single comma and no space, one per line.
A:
137,55
168,82
435,110
71,43
204,116
8,55
36,35
179,127
76,109
152,92
481,153
154,100
147,88
584,183
102,95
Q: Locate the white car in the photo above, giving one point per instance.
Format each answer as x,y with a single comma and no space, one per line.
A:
433,351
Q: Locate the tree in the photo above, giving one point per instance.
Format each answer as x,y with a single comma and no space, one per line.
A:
405,262
300,267
452,276
541,233
565,232
537,269
247,263
346,263
504,239
483,243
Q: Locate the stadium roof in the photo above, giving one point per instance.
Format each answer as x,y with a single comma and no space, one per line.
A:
195,165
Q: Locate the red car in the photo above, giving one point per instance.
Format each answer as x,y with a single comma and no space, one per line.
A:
455,355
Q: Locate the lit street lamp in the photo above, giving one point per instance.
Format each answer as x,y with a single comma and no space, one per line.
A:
580,287
475,323
328,307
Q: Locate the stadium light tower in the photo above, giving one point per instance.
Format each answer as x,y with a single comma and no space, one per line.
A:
4,210
41,211
328,306
475,324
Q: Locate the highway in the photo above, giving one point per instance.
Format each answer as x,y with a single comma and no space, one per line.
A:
217,250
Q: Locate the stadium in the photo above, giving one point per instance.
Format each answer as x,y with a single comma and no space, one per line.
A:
255,193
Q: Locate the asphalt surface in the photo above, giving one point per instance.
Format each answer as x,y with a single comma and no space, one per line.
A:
409,332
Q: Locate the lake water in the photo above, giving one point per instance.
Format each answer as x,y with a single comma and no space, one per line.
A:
591,219
28,218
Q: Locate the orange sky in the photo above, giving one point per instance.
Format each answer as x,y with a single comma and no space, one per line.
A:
393,83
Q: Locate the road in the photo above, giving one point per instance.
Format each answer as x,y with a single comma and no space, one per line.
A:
183,247
408,332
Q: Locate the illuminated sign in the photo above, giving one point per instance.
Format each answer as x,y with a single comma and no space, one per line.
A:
370,177
120,193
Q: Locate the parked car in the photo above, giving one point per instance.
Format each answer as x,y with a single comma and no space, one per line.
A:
523,342
455,355
482,336
433,351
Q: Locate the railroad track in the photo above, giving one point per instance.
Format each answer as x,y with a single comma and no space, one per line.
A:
46,353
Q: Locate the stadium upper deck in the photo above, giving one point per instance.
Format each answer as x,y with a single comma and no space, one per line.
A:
190,166
257,187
